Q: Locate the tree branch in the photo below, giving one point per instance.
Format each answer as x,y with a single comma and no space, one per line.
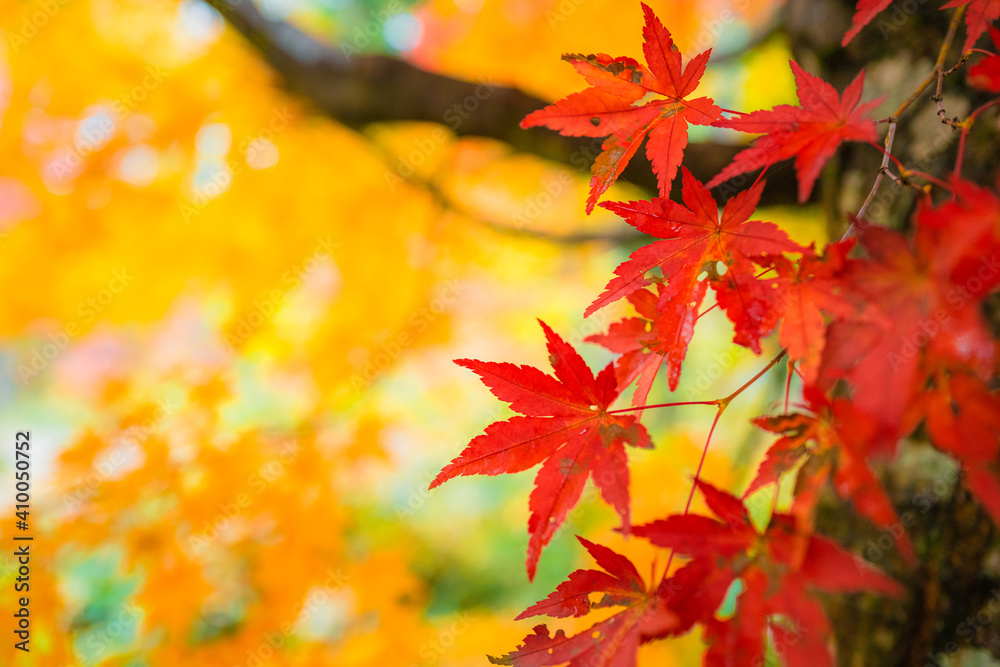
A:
357,91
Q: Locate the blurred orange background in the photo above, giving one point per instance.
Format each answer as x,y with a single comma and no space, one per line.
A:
229,324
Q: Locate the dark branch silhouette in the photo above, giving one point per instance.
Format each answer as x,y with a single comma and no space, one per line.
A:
357,91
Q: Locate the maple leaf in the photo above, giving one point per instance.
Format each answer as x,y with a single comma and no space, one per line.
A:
696,238
796,430
690,595
782,602
628,102
566,427
635,339
810,132
927,294
807,289
838,432
865,12
779,569
985,75
980,15
963,419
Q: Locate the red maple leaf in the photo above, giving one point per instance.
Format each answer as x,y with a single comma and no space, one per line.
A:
929,292
807,290
779,568
866,11
566,426
635,339
689,596
810,132
628,102
985,74
980,15
963,419
696,238
839,433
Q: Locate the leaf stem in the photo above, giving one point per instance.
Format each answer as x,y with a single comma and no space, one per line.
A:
697,477
966,126
661,405
701,461
938,98
788,384
723,403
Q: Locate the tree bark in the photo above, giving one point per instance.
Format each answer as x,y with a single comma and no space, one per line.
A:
951,614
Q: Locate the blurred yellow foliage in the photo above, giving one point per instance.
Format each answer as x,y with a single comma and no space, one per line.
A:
231,320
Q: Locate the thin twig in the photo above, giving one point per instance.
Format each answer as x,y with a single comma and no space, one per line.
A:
939,98
936,73
938,64
878,179
966,126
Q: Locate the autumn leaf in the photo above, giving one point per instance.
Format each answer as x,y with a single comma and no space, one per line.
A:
866,11
837,432
796,430
978,17
628,102
672,607
566,427
808,289
696,240
777,574
635,339
985,75
963,419
810,132
925,296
